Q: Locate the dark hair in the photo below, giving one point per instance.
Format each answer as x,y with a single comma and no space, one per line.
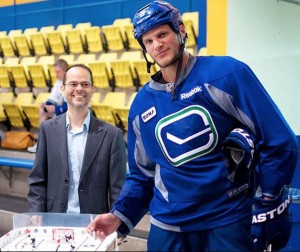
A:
81,66
62,64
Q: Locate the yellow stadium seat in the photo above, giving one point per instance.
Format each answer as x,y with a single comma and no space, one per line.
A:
121,21
104,110
107,58
12,61
69,58
5,97
86,58
40,44
31,111
191,23
32,115
20,77
7,47
131,55
83,26
75,42
115,99
46,60
140,71
56,42
41,98
39,77
23,42
93,39
47,63
23,47
63,28
14,110
131,98
100,74
29,31
6,81
128,34
46,29
3,34
13,33
28,60
194,17
121,113
96,98
122,74
113,38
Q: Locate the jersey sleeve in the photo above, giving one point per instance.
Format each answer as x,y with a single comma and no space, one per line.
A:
137,192
277,144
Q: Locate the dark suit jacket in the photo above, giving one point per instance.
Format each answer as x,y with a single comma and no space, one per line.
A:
102,175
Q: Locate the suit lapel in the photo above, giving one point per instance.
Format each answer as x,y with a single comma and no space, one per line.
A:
93,144
59,133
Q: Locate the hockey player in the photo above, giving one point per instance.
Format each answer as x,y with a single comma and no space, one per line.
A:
180,125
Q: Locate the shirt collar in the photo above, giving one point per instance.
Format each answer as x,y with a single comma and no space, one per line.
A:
86,122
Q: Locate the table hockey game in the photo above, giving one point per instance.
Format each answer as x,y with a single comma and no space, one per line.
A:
44,237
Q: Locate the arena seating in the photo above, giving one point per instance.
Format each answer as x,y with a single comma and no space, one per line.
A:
111,52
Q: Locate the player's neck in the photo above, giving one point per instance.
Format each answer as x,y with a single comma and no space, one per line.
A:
169,73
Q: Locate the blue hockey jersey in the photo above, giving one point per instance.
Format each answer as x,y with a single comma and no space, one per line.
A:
177,171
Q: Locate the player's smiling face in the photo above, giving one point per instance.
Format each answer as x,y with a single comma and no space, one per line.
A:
162,45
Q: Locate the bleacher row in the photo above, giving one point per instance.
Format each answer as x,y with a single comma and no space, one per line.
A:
83,38
23,111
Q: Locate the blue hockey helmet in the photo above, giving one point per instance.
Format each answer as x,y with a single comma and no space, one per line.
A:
154,14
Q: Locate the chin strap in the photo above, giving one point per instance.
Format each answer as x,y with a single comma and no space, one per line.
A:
149,64
178,70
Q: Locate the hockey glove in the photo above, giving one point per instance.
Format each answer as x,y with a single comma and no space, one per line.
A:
272,221
238,153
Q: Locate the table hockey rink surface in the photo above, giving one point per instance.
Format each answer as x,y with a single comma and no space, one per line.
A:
55,239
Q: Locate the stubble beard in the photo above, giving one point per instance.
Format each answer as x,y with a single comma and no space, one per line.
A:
171,62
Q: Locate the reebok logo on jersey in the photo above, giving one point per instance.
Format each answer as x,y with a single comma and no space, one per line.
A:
150,113
191,93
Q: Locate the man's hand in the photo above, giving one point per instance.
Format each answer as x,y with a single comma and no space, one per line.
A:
36,220
272,221
46,111
103,225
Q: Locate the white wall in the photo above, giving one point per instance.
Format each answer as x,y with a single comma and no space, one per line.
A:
265,34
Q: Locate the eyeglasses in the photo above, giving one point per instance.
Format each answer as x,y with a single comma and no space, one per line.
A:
74,84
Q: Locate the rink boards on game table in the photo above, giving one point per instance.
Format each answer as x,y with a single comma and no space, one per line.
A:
60,237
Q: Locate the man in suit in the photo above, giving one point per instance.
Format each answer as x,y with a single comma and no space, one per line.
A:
80,164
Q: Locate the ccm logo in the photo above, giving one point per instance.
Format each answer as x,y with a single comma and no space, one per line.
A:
262,217
150,113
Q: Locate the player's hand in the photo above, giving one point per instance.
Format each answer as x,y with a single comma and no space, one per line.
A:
36,220
103,225
121,240
272,221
